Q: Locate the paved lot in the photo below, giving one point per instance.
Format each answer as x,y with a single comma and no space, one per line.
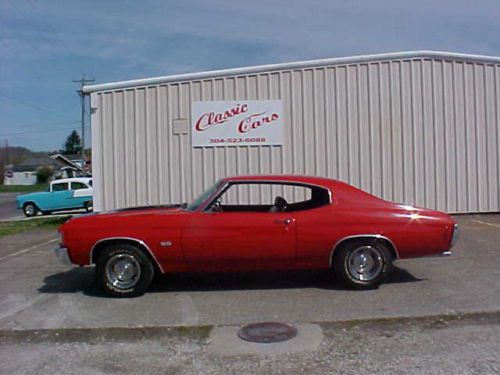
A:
8,209
468,345
38,293
53,320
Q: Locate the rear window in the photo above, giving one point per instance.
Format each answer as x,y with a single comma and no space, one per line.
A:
78,186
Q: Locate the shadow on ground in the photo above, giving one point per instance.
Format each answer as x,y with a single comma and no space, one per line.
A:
82,280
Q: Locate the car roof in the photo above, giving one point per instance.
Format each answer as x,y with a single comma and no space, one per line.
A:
298,179
74,179
337,188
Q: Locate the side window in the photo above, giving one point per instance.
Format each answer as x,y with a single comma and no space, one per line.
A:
60,186
259,194
90,183
78,185
272,197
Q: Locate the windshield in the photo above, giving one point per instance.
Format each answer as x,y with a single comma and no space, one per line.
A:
193,206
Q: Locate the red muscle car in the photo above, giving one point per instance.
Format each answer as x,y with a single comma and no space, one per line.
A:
248,223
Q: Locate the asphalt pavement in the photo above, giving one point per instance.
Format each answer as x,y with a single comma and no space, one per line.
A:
38,293
465,345
8,209
40,298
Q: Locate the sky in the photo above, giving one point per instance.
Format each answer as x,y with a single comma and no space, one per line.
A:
44,45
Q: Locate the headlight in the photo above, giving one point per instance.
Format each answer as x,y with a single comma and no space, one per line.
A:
454,236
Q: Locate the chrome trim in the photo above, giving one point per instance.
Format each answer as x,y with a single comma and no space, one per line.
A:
140,242
63,256
454,236
442,254
205,205
376,236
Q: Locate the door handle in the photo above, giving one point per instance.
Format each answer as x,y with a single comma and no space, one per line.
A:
283,221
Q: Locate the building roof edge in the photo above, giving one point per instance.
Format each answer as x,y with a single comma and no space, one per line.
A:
289,66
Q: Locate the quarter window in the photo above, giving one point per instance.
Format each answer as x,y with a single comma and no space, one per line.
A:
78,186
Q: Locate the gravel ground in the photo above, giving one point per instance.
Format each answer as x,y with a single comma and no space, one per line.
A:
439,345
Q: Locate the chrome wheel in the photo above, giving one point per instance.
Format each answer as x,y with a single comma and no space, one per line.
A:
365,263
123,271
29,210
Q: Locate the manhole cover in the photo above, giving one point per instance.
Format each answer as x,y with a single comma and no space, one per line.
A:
268,332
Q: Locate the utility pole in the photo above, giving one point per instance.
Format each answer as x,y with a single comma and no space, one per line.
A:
7,151
82,81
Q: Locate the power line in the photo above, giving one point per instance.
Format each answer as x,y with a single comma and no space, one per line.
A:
43,109
37,131
38,125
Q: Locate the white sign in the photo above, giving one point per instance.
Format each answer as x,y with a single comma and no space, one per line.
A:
237,123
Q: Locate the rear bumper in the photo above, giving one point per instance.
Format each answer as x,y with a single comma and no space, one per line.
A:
454,236
63,256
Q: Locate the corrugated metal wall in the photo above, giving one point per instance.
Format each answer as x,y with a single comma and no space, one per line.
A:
419,131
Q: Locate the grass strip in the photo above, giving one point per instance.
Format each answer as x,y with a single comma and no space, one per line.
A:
19,226
23,188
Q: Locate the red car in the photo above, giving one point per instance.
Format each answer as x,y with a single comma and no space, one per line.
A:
249,223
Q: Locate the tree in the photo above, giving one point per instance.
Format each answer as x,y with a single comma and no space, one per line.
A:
43,174
73,144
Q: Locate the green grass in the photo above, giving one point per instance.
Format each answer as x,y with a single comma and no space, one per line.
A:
22,188
19,226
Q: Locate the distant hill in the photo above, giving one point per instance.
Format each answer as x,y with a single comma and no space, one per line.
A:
16,155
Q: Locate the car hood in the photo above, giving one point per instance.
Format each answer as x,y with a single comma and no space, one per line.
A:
135,216
30,195
138,211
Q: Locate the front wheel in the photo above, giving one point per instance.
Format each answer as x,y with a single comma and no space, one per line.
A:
30,209
362,264
123,270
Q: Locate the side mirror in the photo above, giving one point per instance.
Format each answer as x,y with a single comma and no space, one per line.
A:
216,207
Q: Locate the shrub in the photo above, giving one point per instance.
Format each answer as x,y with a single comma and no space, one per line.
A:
43,174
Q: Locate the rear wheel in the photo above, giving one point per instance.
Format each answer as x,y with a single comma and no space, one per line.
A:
30,209
123,270
362,264
88,206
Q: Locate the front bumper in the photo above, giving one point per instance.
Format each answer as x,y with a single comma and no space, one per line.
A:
63,256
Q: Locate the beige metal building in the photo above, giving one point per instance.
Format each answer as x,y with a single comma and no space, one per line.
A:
417,127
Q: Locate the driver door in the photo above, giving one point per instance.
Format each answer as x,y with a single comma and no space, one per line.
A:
240,237
60,195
